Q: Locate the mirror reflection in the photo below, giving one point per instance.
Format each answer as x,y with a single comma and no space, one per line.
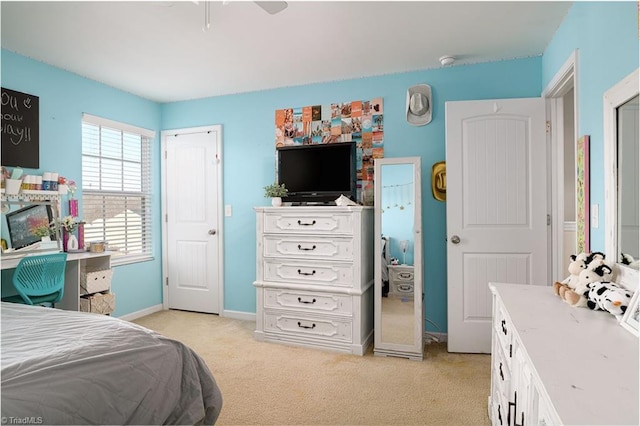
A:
628,183
397,211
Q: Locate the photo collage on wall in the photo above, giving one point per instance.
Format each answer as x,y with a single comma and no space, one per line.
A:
358,121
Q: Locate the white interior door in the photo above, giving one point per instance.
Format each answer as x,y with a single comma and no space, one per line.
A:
496,209
192,203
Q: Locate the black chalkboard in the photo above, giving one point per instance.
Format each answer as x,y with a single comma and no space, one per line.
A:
20,129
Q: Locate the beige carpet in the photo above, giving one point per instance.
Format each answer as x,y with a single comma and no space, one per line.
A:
273,384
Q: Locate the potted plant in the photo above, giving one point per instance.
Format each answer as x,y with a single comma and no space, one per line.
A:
275,192
68,225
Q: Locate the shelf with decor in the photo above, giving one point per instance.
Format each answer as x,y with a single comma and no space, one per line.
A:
30,196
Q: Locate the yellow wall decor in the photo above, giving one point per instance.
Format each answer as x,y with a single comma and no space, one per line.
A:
439,181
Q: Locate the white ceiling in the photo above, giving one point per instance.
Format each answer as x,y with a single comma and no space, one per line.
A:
159,51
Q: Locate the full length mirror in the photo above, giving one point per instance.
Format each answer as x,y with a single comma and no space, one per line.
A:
398,271
628,191
622,190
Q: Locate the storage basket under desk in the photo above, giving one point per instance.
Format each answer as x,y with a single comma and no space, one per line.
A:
95,281
99,303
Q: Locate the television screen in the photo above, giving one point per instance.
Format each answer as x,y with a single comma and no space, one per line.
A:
319,173
20,224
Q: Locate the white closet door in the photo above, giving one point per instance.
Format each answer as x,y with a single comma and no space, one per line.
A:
192,221
496,209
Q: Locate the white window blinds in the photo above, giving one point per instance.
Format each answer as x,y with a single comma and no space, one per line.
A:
116,187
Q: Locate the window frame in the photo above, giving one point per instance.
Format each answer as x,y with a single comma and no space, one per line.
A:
144,197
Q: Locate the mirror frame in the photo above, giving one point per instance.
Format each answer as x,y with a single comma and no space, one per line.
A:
613,98
381,348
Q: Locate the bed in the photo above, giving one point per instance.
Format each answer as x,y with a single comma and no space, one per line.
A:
63,367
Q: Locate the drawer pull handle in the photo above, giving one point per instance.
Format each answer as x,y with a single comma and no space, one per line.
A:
306,301
306,326
306,248
501,373
499,414
515,411
405,275
504,327
306,273
301,223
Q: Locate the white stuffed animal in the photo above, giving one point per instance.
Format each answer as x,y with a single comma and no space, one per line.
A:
578,296
578,264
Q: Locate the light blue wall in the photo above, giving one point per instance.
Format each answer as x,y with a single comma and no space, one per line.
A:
605,33
249,146
63,98
606,37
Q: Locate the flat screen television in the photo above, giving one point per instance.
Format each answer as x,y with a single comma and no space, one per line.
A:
20,222
318,173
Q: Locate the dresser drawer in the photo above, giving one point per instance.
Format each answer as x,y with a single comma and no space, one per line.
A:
401,280
318,273
309,223
504,333
499,410
501,369
308,301
402,275
304,247
293,323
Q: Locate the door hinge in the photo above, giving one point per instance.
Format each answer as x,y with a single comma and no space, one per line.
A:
548,127
165,153
166,281
548,220
166,217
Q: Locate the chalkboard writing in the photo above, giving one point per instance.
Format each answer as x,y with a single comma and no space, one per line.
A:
20,129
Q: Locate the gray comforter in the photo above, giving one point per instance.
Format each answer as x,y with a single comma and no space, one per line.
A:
61,367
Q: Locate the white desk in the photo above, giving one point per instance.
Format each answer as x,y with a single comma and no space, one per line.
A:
77,263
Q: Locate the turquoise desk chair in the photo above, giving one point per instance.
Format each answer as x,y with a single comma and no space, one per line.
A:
39,279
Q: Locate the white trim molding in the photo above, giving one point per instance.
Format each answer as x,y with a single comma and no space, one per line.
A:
141,313
565,79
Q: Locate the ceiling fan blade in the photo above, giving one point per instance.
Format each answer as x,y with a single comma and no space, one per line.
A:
272,7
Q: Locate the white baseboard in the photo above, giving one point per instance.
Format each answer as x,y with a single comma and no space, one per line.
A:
246,316
142,313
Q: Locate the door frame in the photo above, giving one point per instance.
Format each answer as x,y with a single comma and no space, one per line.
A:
563,81
219,226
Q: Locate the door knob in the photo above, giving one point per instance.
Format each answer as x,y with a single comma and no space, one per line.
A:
455,239
212,232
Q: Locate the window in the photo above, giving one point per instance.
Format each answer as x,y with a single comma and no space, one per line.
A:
116,187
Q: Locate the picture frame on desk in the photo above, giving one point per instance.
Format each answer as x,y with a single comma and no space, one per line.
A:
630,318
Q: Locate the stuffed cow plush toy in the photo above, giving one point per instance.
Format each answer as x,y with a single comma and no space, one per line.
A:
578,296
578,264
583,269
608,296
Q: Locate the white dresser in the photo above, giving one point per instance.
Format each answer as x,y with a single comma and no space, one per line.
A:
553,364
400,280
314,277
